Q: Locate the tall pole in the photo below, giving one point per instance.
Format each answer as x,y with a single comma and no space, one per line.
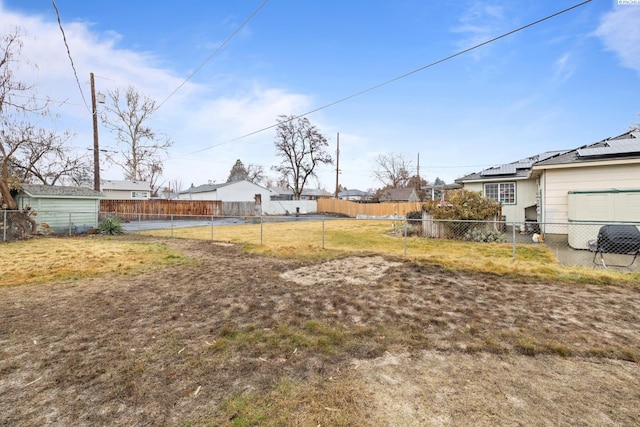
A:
96,148
337,164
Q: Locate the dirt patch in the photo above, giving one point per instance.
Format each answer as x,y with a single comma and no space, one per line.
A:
419,345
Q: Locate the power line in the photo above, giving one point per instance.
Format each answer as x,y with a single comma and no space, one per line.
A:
417,70
215,52
64,38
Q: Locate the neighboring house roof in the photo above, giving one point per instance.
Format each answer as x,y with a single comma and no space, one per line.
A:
318,192
205,188
55,191
125,185
520,169
621,147
354,193
398,194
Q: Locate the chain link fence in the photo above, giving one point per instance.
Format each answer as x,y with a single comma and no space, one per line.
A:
20,224
585,244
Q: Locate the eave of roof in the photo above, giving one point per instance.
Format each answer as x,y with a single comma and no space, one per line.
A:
56,192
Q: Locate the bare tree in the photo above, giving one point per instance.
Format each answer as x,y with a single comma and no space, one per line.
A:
393,170
45,158
16,103
302,148
255,174
141,151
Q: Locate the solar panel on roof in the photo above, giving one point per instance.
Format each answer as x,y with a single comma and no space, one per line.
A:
618,146
500,170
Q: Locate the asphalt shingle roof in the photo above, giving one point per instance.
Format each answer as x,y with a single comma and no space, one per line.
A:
38,190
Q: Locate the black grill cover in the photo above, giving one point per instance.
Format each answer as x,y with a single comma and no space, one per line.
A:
619,239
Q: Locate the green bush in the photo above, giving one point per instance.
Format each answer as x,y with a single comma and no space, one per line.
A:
111,225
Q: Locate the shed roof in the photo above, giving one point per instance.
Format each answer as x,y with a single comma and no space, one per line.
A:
56,191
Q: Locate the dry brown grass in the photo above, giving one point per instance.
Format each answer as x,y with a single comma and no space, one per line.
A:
241,340
304,239
50,259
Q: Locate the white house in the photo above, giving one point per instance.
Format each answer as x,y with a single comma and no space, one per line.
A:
125,190
236,191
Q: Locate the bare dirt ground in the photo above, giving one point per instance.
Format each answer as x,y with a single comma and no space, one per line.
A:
431,347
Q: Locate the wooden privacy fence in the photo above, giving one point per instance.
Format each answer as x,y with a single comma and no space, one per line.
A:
131,209
353,209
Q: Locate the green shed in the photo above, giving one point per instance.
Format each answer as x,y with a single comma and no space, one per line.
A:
65,209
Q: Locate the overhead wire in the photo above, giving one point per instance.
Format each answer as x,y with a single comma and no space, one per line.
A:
215,52
64,38
387,82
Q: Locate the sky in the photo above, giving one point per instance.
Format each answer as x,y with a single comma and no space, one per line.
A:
219,80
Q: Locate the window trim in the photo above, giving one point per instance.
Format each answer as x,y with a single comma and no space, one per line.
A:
499,188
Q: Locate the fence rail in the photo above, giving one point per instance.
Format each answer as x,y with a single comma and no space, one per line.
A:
130,209
595,244
354,209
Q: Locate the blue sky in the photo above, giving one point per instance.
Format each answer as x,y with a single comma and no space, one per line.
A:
563,83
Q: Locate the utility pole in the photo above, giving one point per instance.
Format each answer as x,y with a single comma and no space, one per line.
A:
337,164
96,148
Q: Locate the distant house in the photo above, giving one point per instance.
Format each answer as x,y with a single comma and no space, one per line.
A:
236,191
355,195
438,191
280,193
399,195
64,209
125,190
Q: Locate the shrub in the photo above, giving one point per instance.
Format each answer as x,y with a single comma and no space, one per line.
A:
111,225
478,235
414,215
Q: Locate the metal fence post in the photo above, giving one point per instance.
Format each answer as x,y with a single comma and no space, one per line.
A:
322,232
212,228
513,240
4,227
405,235
70,223
171,226
261,229
139,221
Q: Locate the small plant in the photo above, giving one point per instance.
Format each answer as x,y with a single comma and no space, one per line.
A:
477,235
111,226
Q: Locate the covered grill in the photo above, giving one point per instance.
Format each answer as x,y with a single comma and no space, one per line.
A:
618,239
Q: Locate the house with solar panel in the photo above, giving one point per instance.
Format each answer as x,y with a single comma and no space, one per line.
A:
599,182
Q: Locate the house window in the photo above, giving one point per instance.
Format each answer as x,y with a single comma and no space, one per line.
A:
503,192
139,195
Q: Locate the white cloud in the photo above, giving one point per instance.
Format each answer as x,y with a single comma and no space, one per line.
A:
479,23
620,33
195,117
564,68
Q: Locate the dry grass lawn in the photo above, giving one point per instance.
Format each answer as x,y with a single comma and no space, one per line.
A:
50,259
148,331
305,239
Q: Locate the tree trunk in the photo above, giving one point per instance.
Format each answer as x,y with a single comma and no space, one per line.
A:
20,223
